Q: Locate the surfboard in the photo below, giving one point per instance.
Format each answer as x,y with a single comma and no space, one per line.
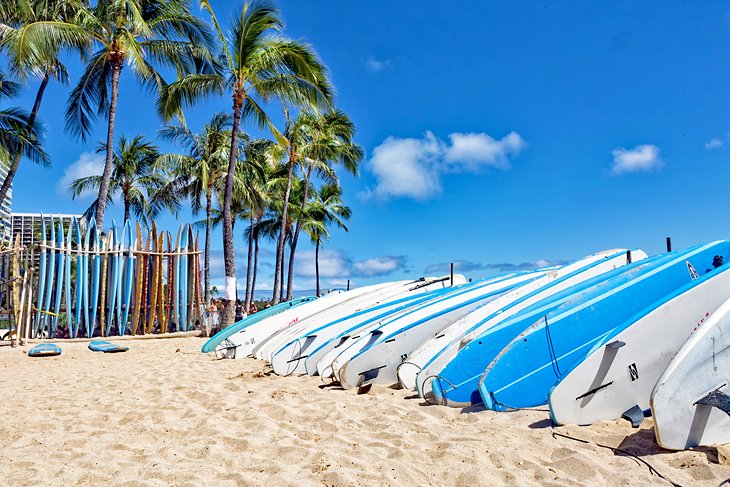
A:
159,262
523,372
80,275
170,283
690,400
617,375
50,278
183,278
153,282
41,280
67,282
106,347
44,350
128,277
145,283
176,282
113,277
106,243
191,277
139,280
95,283
60,261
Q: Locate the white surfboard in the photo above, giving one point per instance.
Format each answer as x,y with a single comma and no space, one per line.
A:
620,372
441,349
695,379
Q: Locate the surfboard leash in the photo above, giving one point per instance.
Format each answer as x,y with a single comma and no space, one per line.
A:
652,470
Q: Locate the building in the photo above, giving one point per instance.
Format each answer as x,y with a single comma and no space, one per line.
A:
28,225
5,220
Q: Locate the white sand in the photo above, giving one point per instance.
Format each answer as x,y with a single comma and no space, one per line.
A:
165,414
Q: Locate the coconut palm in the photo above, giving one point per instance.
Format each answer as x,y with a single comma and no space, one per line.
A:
17,134
326,209
135,177
323,141
259,64
33,50
198,172
145,35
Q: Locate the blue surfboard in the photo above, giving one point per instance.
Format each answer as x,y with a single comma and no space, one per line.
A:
106,347
45,350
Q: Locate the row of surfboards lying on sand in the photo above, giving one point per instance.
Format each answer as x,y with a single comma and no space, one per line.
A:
615,334
115,284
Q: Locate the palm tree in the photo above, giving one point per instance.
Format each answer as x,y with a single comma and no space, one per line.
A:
259,63
199,171
327,208
34,50
143,34
17,135
324,140
135,176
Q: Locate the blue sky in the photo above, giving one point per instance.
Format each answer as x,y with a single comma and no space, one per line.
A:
497,134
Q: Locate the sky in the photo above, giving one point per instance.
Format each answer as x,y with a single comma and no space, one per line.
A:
498,135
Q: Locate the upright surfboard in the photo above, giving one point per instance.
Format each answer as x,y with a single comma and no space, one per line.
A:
50,278
41,280
80,275
183,265
191,278
139,281
153,281
113,279
60,261
67,282
176,282
159,263
128,277
690,401
170,282
95,262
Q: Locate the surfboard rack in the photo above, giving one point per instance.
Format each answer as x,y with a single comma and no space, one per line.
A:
718,400
635,415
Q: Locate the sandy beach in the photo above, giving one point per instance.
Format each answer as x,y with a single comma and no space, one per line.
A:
165,414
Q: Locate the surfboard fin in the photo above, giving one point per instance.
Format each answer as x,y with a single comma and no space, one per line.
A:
635,415
369,375
717,400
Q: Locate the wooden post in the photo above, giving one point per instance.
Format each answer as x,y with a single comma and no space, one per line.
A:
669,244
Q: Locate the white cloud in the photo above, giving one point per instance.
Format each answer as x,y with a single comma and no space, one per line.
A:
412,168
714,144
642,158
376,65
470,151
88,164
335,264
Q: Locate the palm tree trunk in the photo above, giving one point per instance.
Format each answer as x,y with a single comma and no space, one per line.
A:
316,264
229,257
31,121
106,177
282,275
208,211
249,265
295,238
255,266
279,269
126,208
